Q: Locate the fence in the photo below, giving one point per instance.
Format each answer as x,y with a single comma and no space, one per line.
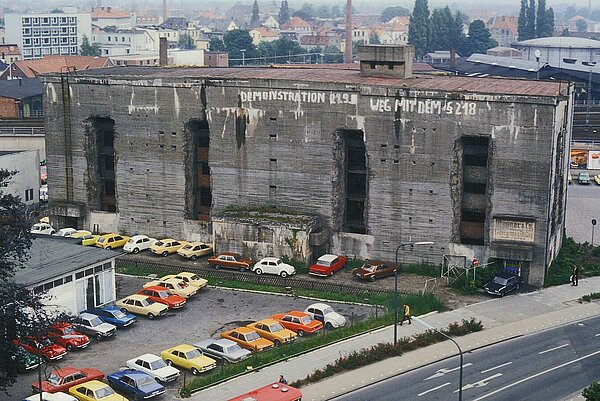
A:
23,131
276,281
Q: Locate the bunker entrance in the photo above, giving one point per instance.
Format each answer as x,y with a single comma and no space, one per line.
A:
200,202
355,179
102,173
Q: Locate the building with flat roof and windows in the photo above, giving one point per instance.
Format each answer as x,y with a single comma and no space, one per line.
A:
26,182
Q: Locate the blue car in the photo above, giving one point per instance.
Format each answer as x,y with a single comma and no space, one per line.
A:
114,315
135,384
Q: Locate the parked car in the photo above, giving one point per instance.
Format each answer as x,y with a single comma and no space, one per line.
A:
188,357
142,305
583,178
65,232
597,179
270,265
163,296
95,391
139,243
503,283
81,234
299,322
326,315
194,250
327,265
60,396
223,348
230,260
166,246
135,383
248,338
273,331
154,366
374,269
23,359
63,378
43,347
90,241
115,316
92,325
176,286
42,228
190,278
111,241
65,335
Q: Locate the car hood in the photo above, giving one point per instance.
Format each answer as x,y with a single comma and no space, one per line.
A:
361,272
494,287
336,317
151,387
240,354
166,371
104,327
202,361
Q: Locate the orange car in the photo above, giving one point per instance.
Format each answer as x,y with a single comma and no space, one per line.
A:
248,338
273,330
298,322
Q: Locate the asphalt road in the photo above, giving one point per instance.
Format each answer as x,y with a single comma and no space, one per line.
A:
583,205
205,315
547,366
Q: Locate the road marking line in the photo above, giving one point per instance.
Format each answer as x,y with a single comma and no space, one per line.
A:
443,371
553,349
536,375
495,367
433,389
480,383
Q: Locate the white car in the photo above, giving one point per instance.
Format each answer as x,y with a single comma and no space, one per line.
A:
325,314
139,243
42,228
60,396
275,266
155,366
65,232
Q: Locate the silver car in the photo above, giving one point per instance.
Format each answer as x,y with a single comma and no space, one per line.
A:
223,349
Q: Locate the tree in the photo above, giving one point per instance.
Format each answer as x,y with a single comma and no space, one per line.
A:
87,49
255,14
419,28
335,11
549,27
283,48
284,12
531,20
237,40
303,14
545,20
522,24
186,42
332,55
479,39
592,393
324,11
374,38
581,25
391,12
442,23
216,45
565,32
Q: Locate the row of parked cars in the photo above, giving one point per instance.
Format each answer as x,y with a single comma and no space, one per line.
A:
584,178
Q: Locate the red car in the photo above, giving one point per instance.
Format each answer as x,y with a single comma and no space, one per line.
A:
47,349
62,379
298,322
327,264
163,296
65,335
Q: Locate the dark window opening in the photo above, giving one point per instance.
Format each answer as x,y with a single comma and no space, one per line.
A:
473,222
473,215
109,187
472,188
356,182
103,175
476,160
357,185
200,198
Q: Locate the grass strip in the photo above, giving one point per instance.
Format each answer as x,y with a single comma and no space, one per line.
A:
591,297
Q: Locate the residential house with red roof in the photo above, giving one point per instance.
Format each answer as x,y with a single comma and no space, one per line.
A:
33,68
504,29
298,26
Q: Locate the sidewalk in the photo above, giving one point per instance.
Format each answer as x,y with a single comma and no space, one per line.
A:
503,318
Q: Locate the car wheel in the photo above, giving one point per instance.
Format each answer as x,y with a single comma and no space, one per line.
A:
150,316
169,362
283,274
301,333
98,336
135,250
277,343
501,294
109,247
217,267
258,271
195,372
372,278
69,348
329,326
193,257
165,253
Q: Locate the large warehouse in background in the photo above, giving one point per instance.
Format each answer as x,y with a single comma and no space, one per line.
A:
304,161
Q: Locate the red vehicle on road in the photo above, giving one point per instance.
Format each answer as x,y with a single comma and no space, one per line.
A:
65,335
163,296
327,265
272,392
46,348
299,322
64,378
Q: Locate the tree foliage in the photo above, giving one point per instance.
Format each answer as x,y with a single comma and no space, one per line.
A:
255,14
216,45
535,22
592,393
419,28
544,26
186,42
87,49
281,51
522,24
284,12
237,40
479,39
581,25
374,38
391,12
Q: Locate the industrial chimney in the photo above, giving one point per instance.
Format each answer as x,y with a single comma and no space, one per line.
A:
349,30
165,11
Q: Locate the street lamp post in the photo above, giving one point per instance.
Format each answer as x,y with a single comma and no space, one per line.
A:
396,285
460,377
593,226
243,56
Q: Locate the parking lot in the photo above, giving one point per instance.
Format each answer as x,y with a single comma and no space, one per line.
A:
206,315
583,205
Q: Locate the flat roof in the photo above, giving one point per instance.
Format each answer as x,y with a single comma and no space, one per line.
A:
52,256
298,73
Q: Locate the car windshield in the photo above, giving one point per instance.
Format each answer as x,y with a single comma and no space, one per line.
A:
159,243
163,294
104,392
157,364
275,327
68,330
233,348
192,354
46,342
500,280
187,247
147,302
328,310
305,320
145,381
53,379
323,262
194,278
95,321
101,239
252,336
369,268
119,314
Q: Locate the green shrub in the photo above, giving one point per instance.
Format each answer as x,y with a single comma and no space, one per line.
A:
591,297
592,393
301,267
421,269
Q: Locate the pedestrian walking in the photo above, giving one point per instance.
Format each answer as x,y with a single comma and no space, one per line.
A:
282,380
575,276
405,314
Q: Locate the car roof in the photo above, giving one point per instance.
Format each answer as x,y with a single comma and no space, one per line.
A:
138,297
109,235
67,370
318,305
148,357
93,385
133,373
237,255
328,257
221,341
184,274
296,313
138,236
110,308
505,275
167,240
87,315
266,321
153,287
196,243
270,259
243,330
172,280
183,347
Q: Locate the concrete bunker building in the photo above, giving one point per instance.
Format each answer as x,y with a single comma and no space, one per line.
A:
362,160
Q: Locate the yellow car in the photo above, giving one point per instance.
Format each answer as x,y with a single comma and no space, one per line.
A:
80,234
167,246
190,278
273,330
194,250
188,357
45,220
111,241
95,390
142,305
597,179
89,240
175,286
248,338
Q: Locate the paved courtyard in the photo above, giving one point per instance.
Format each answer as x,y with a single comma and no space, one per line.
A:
583,205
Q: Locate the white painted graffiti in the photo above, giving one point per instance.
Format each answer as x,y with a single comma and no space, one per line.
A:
426,106
290,96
